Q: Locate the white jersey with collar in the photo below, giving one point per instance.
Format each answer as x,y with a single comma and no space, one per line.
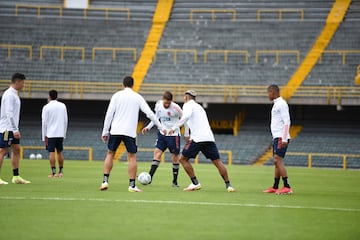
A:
195,117
54,120
167,116
123,113
280,119
10,111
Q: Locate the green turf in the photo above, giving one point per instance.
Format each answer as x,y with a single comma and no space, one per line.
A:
325,205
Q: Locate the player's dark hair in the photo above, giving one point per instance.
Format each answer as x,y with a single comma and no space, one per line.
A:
168,96
274,87
53,94
17,77
128,81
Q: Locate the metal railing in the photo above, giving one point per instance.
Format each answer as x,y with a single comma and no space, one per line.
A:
226,54
212,12
14,46
176,51
280,12
343,54
310,156
277,54
61,9
73,148
114,50
62,49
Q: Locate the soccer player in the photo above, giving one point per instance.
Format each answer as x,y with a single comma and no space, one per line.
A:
54,125
201,139
168,112
9,126
280,124
120,124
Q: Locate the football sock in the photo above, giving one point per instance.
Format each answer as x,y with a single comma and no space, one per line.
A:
154,166
227,184
175,170
132,183
285,180
61,169
276,183
194,181
53,170
106,177
16,172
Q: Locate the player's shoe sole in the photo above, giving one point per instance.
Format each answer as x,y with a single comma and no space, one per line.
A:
284,191
270,190
193,187
134,189
104,186
19,180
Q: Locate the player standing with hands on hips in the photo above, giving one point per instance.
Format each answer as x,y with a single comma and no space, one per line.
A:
54,126
202,139
169,113
280,125
120,124
9,126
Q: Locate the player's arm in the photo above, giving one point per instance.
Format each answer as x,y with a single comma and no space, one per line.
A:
151,123
285,116
66,121
149,114
108,119
9,112
187,111
44,117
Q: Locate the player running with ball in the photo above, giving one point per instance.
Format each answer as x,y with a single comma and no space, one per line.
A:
168,113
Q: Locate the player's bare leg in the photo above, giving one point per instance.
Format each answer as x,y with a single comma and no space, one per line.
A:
175,169
3,153
52,160
132,169
108,164
61,163
224,174
195,185
280,171
15,159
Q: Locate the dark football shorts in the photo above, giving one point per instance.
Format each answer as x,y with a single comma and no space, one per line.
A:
54,143
278,149
115,140
7,139
209,149
170,142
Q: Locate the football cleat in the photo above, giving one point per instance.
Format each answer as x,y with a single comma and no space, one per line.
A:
53,175
134,189
230,189
104,186
2,182
284,190
193,187
19,180
270,190
60,175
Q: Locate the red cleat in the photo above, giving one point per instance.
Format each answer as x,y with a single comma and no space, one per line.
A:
284,190
270,190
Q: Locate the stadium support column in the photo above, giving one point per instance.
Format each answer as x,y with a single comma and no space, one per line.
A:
333,20
161,16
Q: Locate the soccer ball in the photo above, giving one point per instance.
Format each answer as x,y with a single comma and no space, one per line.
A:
38,156
32,156
144,178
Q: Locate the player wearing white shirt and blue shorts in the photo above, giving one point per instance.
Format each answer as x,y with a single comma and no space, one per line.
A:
54,126
168,112
9,126
201,139
120,125
280,125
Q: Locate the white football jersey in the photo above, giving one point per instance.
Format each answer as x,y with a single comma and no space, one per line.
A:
167,116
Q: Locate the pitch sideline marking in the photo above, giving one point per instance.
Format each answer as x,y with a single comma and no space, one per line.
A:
183,203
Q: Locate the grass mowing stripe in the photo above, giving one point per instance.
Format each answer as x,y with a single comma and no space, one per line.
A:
183,203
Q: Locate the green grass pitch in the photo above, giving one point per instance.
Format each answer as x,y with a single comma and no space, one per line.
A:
325,204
